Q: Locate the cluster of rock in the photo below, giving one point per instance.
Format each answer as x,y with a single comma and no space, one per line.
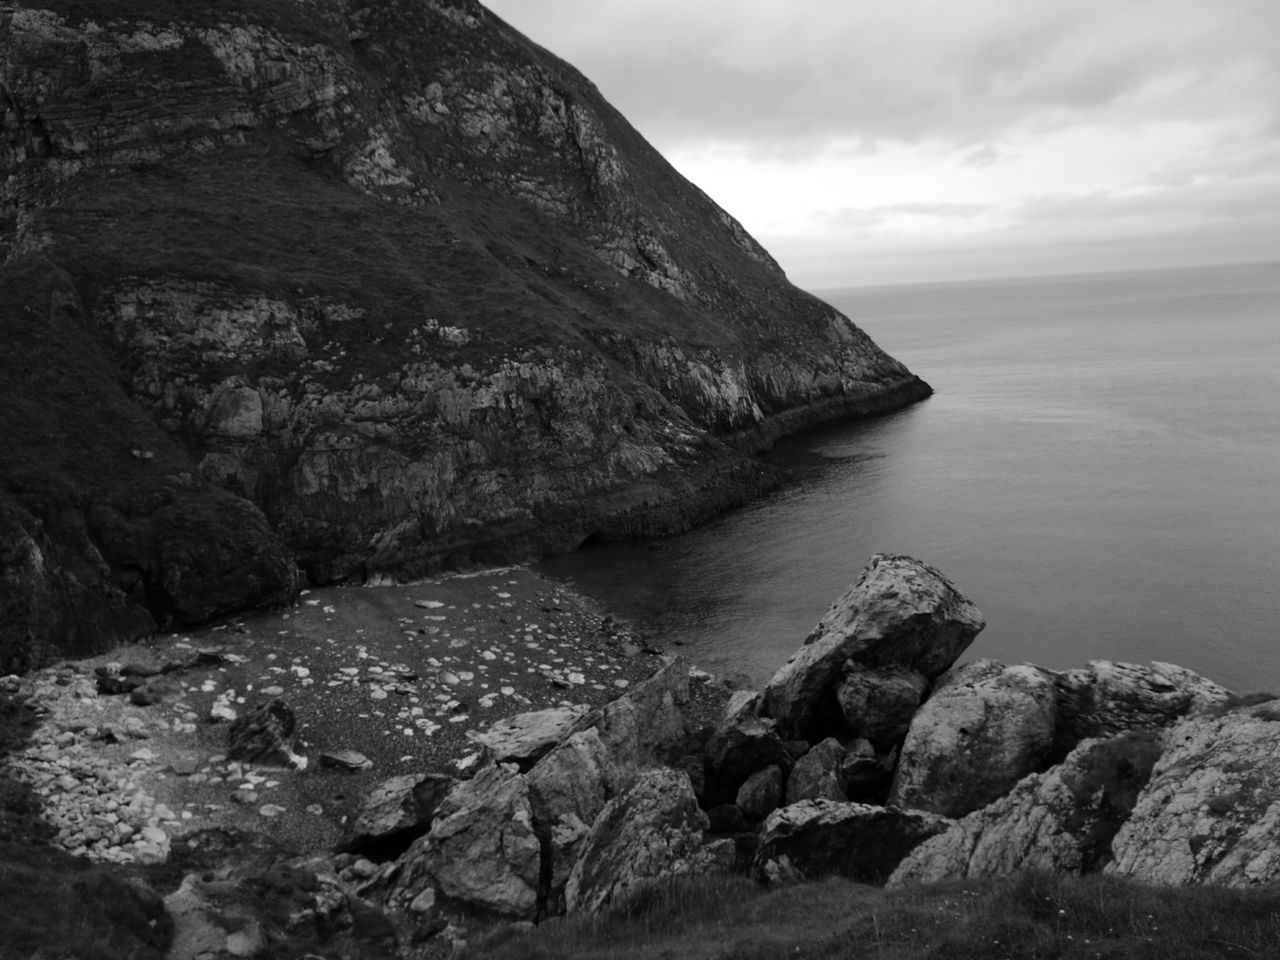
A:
869,755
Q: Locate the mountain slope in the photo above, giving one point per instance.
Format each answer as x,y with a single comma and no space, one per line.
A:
396,276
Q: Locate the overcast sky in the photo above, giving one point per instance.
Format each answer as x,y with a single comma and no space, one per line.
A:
887,141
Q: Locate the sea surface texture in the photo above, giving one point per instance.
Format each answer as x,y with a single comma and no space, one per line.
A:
1099,471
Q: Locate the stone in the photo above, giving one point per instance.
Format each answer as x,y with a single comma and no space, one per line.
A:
878,705
265,735
351,760
1108,697
1211,810
820,838
567,790
396,812
761,794
985,727
726,818
652,831
1062,820
158,689
742,744
645,727
899,613
526,737
481,852
818,775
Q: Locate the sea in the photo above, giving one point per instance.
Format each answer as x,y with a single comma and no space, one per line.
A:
1098,470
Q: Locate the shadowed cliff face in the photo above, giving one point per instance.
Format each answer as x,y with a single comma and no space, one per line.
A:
393,276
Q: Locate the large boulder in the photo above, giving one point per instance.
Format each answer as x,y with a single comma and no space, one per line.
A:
395,813
899,613
567,790
525,737
1211,811
653,830
878,704
819,774
1061,820
986,727
265,735
1106,698
481,854
761,794
819,838
645,727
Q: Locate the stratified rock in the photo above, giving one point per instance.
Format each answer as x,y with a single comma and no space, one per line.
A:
878,704
761,794
653,830
395,812
818,774
819,838
481,852
1106,698
1061,820
567,790
525,737
899,613
265,735
513,325
986,726
1211,811
645,727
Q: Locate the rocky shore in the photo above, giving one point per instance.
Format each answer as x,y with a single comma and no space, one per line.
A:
492,749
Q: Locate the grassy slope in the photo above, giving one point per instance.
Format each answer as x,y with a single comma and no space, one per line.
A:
1027,917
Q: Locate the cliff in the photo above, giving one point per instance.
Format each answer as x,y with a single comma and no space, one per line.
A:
378,286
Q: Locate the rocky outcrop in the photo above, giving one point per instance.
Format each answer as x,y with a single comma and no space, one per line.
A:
1105,698
985,727
1211,811
899,613
818,838
1061,821
376,287
652,830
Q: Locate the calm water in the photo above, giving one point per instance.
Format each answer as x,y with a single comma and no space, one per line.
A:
1099,470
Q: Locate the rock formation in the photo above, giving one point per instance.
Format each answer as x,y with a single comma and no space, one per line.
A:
372,287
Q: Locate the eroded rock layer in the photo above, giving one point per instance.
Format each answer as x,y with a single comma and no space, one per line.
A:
385,273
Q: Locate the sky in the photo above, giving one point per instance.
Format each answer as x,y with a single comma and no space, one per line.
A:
898,141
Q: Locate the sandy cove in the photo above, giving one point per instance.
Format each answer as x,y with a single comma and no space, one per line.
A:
404,675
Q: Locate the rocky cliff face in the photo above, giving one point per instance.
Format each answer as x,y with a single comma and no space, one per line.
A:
384,273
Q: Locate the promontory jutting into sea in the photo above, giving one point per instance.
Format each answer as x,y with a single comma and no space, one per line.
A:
1098,467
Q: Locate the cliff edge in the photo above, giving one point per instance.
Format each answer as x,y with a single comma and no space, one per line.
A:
372,288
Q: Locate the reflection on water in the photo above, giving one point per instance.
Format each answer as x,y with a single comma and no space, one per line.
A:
1098,471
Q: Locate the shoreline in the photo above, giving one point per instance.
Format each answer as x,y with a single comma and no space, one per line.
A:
404,675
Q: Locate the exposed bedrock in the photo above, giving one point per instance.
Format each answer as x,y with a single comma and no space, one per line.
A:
388,275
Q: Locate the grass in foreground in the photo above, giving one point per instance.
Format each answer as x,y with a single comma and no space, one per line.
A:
1025,917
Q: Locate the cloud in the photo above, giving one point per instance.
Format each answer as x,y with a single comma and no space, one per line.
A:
791,76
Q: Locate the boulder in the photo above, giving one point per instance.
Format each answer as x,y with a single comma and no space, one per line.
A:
481,852
742,744
395,813
567,790
646,726
264,735
1211,811
899,613
986,726
819,838
526,737
1106,698
727,818
761,794
878,704
1061,820
818,774
651,831
864,773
